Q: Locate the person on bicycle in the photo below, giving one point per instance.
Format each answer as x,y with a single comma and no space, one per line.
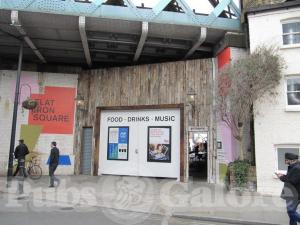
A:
20,152
53,163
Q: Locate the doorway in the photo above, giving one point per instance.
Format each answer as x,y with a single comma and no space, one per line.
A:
86,155
198,152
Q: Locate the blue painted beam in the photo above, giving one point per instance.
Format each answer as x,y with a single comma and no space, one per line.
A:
212,19
98,2
220,8
131,13
159,7
132,7
186,8
235,9
217,23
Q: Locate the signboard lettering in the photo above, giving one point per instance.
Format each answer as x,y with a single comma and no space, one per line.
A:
55,110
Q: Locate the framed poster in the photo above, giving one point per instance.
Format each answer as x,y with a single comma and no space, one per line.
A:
159,144
118,143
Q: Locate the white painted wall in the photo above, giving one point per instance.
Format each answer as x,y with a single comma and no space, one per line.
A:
237,53
137,164
274,125
37,82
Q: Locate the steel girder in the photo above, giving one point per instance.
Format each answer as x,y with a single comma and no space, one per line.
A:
96,8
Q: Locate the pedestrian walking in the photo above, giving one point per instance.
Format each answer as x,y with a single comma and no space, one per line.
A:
20,152
53,163
291,189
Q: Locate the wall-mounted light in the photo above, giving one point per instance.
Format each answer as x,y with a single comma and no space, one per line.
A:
80,102
191,96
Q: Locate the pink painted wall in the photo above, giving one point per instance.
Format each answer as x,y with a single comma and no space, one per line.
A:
229,144
27,82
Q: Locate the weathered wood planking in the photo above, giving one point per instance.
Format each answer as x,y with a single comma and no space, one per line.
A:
83,84
152,84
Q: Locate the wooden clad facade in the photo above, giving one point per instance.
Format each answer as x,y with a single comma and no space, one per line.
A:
151,84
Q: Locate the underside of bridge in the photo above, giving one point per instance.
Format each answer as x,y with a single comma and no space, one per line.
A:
112,33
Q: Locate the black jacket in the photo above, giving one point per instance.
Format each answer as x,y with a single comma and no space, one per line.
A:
291,181
21,151
54,157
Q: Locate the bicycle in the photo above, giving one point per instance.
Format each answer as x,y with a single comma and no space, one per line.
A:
33,168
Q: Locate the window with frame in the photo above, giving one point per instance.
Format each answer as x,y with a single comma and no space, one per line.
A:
291,32
293,91
281,150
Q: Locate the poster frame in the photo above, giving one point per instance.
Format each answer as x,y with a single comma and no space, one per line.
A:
107,150
170,138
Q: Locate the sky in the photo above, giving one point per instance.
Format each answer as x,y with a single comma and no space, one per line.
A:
201,6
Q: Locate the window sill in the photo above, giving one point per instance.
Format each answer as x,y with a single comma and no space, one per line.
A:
292,108
290,46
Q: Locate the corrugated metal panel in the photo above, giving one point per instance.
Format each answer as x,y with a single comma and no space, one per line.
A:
86,151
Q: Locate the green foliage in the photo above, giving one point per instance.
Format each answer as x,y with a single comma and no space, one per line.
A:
240,170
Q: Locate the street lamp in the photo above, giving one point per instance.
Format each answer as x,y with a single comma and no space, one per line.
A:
14,119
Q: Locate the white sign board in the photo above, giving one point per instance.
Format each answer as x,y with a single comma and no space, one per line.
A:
153,144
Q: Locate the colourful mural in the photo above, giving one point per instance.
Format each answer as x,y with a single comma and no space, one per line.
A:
55,111
31,134
222,171
53,115
52,120
63,160
224,57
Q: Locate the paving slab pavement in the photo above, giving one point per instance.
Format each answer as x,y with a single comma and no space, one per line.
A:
156,196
